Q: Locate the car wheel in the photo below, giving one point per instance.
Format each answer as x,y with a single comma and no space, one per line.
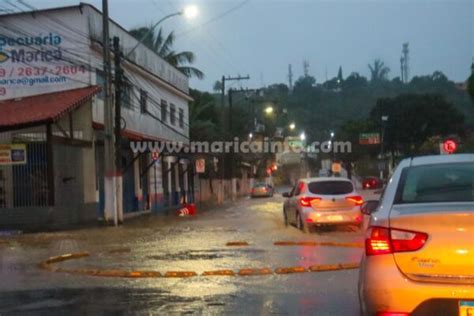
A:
300,224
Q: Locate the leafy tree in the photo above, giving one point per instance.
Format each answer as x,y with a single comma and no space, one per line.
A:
470,86
355,82
203,116
163,45
339,75
378,71
470,83
413,119
217,86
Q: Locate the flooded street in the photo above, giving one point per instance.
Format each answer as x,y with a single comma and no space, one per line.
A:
194,244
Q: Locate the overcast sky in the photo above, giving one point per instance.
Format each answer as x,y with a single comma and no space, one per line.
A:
261,37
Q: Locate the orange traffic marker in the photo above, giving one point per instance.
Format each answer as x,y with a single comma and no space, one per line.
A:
180,274
219,272
290,270
251,272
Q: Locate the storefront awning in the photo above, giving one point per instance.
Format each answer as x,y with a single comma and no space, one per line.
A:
42,109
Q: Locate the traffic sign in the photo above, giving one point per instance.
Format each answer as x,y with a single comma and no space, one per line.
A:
369,139
449,146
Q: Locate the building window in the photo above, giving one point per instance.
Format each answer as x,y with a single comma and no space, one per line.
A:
181,118
173,114
127,100
143,101
100,81
164,111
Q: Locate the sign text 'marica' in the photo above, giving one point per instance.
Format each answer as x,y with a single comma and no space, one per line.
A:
48,48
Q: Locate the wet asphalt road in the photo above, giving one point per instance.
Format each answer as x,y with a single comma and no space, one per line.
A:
183,244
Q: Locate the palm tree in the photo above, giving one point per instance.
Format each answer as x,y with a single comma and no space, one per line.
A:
163,46
378,72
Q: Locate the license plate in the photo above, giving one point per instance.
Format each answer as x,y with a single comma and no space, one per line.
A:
466,308
335,217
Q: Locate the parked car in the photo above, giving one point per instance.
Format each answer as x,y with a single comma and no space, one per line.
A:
322,201
262,189
419,249
372,183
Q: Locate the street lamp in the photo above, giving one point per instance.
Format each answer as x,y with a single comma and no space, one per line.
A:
302,136
292,126
250,135
332,134
269,110
188,12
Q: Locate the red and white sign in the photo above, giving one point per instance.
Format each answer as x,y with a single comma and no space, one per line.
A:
448,147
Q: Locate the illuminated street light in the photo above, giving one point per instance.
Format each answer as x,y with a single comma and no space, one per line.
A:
332,134
303,136
269,110
190,11
250,135
292,126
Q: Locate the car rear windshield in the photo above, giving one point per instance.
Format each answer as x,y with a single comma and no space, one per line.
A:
437,183
330,187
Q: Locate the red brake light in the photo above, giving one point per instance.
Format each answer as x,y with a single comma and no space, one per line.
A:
381,240
356,199
306,200
377,241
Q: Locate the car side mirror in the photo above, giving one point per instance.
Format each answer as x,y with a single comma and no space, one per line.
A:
286,194
369,207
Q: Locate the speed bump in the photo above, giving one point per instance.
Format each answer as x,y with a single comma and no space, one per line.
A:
289,270
237,243
180,274
219,272
251,272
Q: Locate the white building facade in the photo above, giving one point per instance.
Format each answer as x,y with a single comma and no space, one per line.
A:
59,50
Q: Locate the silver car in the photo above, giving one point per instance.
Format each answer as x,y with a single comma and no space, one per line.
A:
322,201
419,247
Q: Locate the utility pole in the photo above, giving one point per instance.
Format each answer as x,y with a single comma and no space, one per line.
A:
118,85
405,66
111,205
290,78
305,68
220,198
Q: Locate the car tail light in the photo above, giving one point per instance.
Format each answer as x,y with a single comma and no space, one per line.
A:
382,240
307,200
392,314
356,199
404,240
